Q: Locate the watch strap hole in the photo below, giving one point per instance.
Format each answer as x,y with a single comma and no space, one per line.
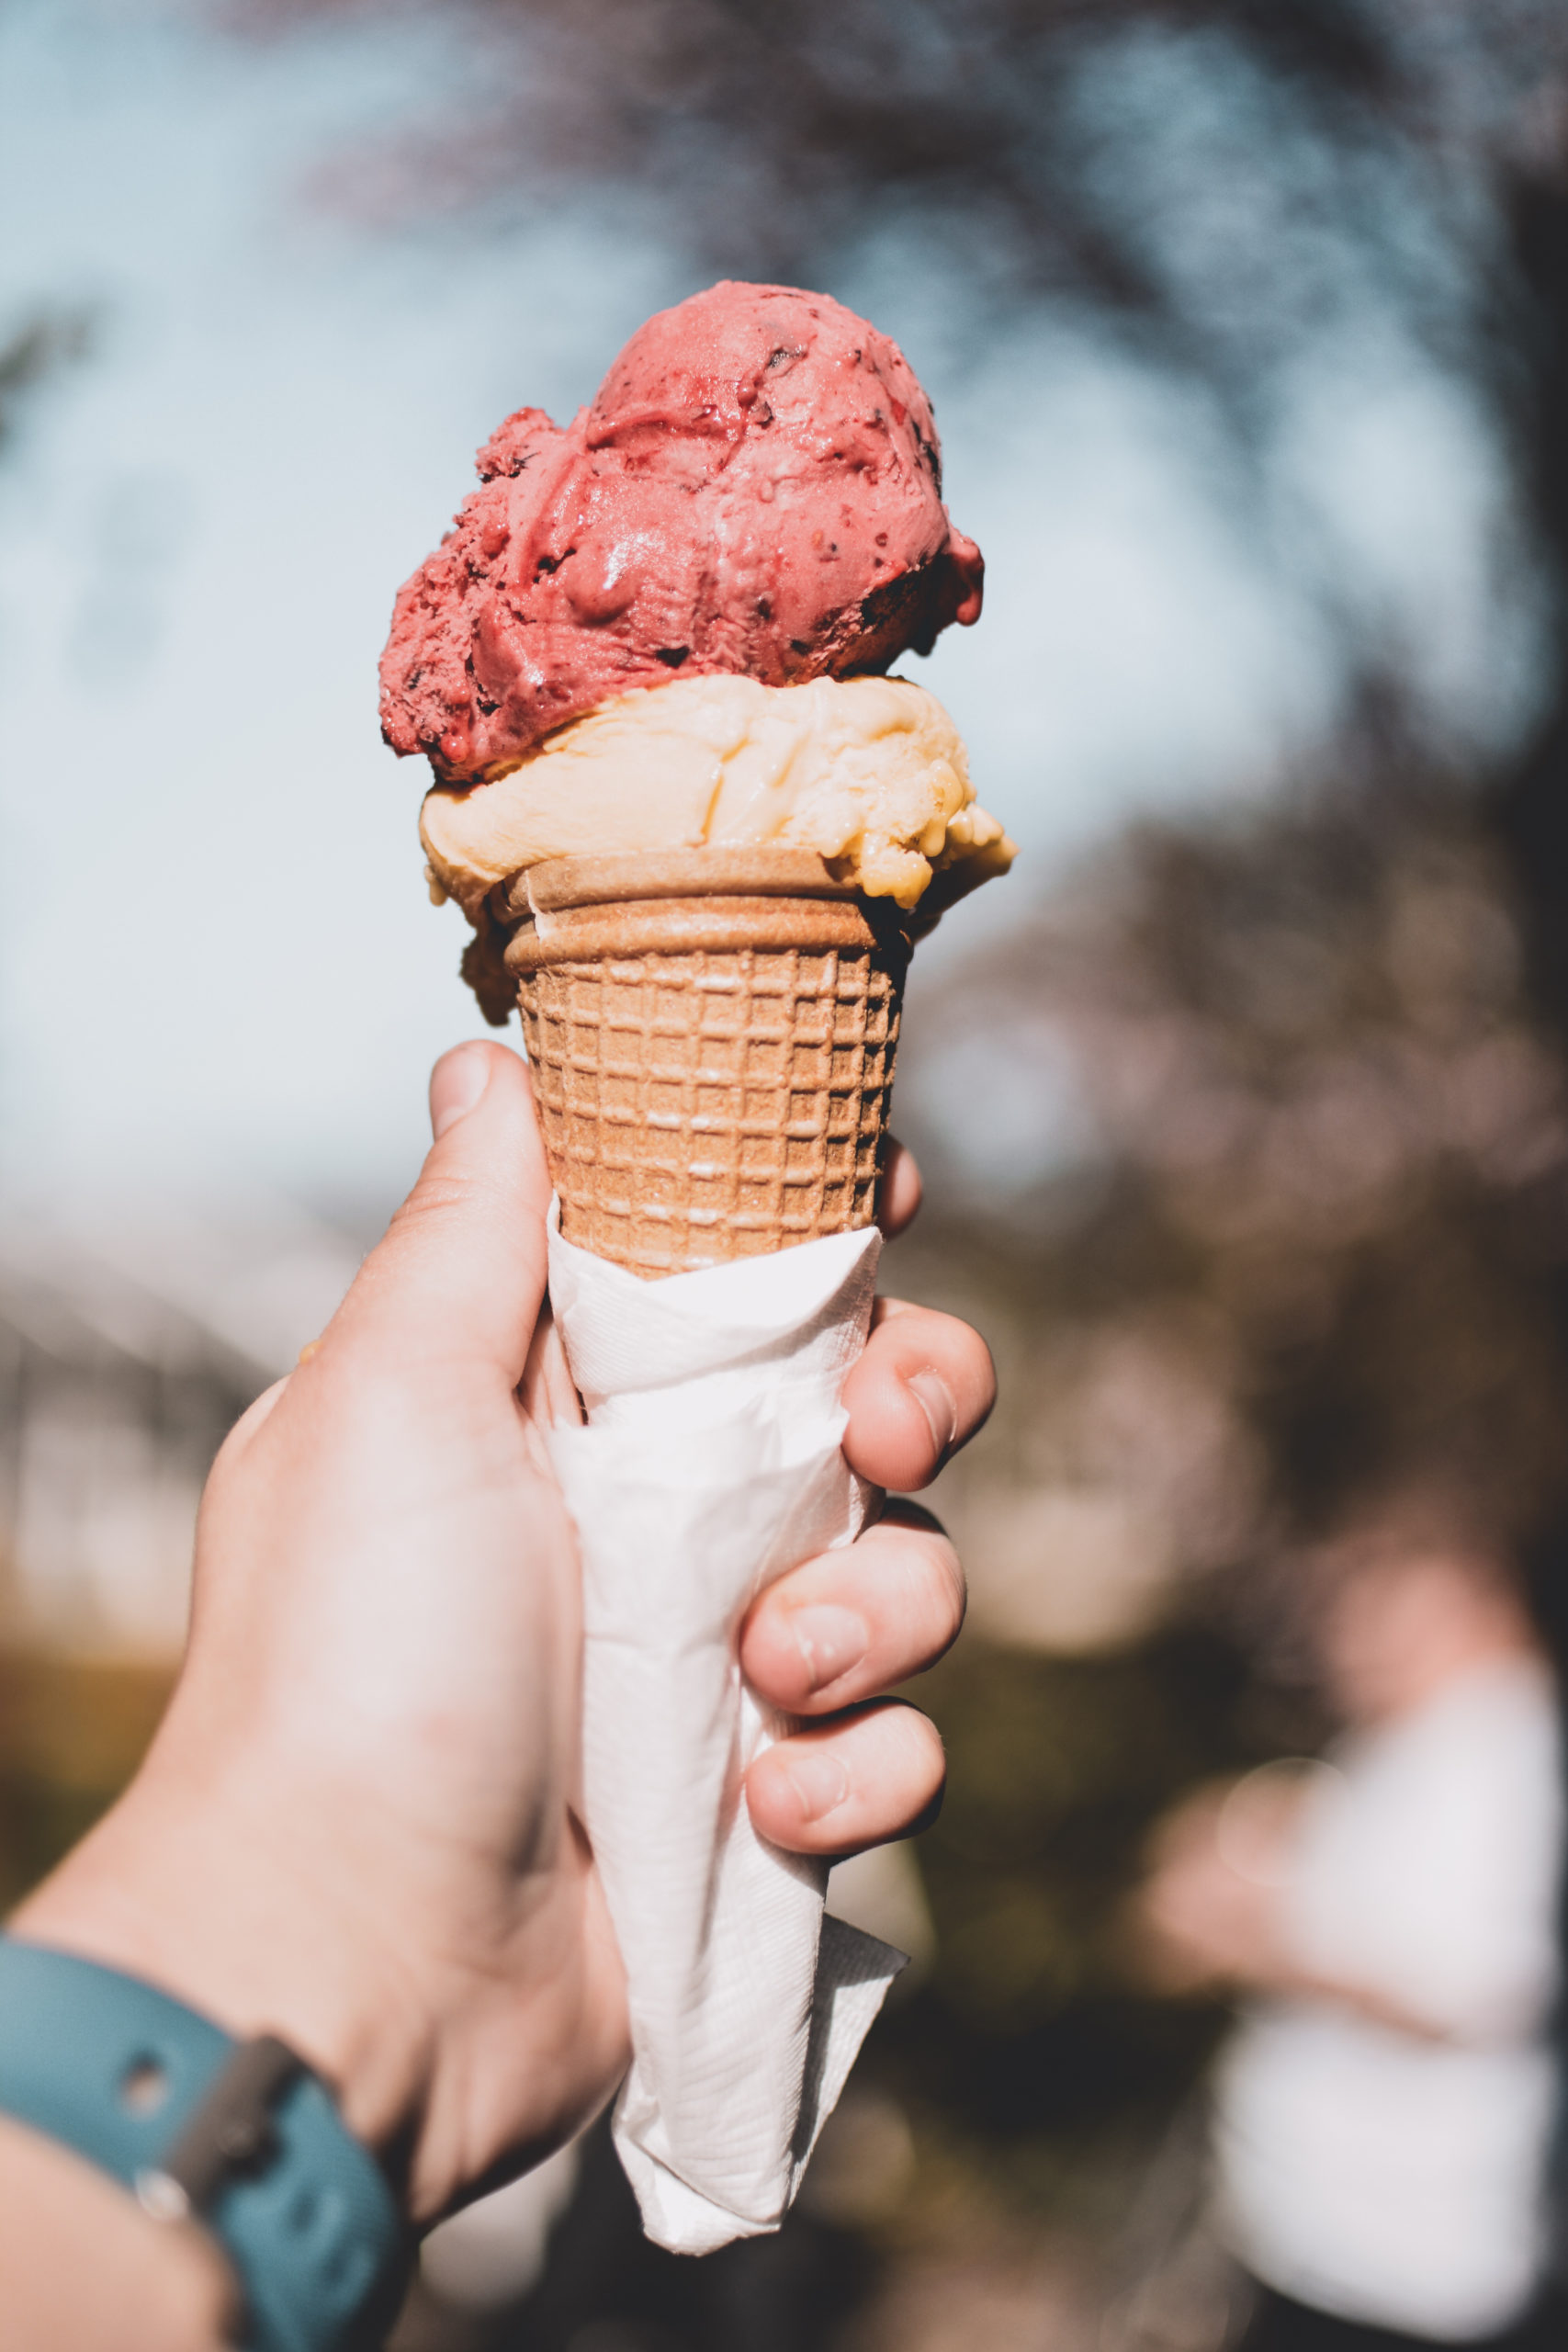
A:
145,2086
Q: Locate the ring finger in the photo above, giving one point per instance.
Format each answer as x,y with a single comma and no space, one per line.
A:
874,1773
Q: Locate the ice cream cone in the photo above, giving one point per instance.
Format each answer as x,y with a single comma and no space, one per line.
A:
712,1034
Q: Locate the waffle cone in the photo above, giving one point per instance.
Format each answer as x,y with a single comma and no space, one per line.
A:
712,1034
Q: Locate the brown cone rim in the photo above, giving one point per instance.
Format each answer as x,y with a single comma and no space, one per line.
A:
711,872
709,925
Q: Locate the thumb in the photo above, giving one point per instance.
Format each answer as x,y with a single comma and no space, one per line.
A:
462,1268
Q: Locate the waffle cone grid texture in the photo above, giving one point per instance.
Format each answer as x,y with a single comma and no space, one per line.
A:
714,1104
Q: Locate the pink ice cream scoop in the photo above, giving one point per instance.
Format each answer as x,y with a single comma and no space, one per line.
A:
757,490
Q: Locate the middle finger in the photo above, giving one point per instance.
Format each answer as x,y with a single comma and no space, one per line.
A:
853,1623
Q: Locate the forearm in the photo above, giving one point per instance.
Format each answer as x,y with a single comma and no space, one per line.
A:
1284,1978
1206,1926
82,2265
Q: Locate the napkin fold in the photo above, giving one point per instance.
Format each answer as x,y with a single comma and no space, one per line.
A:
710,1465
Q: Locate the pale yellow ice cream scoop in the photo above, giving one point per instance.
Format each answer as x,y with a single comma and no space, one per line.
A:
869,773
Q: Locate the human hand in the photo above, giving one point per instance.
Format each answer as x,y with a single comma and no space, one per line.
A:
354,1827
1209,1913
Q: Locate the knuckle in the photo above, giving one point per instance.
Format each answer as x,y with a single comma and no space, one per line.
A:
909,1789
901,1728
988,1378
955,1597
924,1737
942,1589
931,1595
433,1197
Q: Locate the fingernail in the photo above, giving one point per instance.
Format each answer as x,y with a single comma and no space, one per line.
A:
831,1640
456,1083
819,1780
935,1399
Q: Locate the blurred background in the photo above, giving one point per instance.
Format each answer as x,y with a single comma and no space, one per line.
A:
1243,1105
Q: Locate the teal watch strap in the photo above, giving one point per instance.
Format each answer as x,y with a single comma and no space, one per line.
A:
240,2134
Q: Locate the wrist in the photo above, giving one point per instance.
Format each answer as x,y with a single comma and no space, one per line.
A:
236,2136
195,1891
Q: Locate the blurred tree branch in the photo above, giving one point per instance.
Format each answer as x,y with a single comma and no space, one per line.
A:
1225,189
768,139
34,351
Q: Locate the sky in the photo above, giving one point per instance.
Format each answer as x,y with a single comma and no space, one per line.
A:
219,973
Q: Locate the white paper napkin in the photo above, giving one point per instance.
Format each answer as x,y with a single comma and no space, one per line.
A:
710,1465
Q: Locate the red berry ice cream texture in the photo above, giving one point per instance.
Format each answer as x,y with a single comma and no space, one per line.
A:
756,490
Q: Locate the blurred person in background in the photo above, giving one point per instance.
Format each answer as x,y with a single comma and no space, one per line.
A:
1385,2109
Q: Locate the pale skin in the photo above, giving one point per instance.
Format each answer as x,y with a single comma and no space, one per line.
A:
353,1827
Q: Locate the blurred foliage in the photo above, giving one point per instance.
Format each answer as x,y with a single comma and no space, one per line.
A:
1316,1175
768,140
1321,1144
